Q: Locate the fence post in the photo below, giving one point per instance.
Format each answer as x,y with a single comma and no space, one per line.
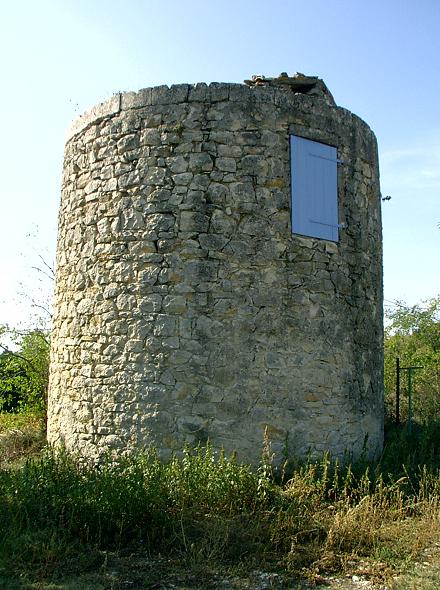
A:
397,390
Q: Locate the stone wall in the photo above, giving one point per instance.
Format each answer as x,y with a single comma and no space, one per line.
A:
185,308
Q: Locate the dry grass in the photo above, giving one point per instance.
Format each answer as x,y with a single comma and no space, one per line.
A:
21,436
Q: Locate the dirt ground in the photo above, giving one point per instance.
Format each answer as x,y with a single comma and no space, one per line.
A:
133,572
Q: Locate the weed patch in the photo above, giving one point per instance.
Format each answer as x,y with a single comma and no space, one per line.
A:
203,511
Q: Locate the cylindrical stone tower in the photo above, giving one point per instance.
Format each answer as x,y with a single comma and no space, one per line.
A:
219,274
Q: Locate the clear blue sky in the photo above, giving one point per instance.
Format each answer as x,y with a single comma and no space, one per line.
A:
380,59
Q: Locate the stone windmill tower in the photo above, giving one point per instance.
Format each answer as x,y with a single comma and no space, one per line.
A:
219,273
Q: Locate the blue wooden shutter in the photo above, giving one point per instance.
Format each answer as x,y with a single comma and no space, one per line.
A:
314,189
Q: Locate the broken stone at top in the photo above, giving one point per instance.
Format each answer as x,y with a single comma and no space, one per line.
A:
298,83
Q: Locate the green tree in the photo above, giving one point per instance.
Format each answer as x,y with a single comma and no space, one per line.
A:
412,333
24,369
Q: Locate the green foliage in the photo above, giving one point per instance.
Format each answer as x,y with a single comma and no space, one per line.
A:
207,508
24,367
13,382
405,453
162,506
413,334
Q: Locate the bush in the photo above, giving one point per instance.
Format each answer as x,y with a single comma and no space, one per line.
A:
24,372
413,335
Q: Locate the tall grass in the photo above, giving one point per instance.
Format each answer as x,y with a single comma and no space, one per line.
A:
206,507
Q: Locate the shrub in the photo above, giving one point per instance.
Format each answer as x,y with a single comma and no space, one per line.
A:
413,334
24,372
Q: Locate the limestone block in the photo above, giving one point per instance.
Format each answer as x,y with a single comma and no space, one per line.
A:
200,162
191,221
